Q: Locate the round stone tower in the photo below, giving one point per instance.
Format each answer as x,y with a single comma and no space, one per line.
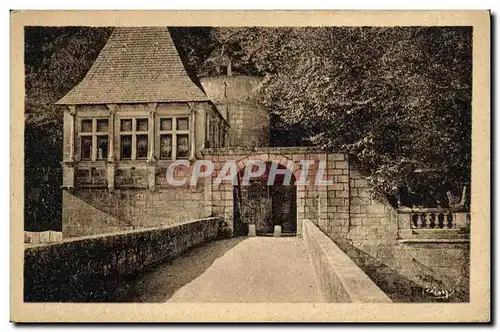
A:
237,98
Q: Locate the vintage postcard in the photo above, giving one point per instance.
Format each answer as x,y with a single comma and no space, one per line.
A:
250,166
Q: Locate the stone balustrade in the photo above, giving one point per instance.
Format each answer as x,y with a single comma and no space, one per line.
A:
431,223
436,218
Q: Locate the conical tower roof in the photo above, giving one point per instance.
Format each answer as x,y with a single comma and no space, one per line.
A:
137,65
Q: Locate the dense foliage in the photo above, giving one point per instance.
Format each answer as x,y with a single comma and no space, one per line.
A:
398,99
56,59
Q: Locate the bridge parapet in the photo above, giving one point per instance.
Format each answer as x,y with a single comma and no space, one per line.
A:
88,268
339,278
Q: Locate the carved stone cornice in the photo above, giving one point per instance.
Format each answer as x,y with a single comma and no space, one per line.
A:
72,110
112,108
152,161
152,107
69,163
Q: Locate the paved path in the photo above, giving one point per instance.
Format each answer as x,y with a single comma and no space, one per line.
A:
259,269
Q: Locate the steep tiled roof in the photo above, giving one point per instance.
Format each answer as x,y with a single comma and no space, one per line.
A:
136,65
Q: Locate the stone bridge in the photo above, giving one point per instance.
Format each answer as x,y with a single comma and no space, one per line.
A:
190,262
362,249
197,262
403,251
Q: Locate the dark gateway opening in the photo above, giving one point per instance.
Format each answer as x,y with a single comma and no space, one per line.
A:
265,206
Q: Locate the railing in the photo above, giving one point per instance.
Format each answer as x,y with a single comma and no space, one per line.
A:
436,218
433,223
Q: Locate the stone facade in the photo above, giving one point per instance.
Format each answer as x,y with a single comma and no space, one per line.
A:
123,128
328,205
113,193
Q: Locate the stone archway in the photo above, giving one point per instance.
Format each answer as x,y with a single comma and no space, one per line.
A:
265,202
327,205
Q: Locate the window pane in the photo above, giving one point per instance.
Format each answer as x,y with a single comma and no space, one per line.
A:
182,146
102,126
126,125
126,146
182,124
141,125
142,146
166,124
86,126
86,147
221,138
166,147
102,147
212,134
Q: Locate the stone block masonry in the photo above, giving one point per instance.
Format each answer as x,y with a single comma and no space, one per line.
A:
87,269
237,98
373,230
346,210
326,205
97,211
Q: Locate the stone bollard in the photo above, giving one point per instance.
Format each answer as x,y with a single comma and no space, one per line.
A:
277,231
251,230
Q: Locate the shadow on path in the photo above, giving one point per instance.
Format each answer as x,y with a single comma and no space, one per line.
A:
160,282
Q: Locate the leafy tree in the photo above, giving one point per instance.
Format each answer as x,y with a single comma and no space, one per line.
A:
397,99
194,44
56,59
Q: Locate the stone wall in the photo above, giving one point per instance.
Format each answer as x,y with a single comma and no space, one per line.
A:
96,210
327,205
371,221
42,237
363,226
339,279
372,236
87,269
